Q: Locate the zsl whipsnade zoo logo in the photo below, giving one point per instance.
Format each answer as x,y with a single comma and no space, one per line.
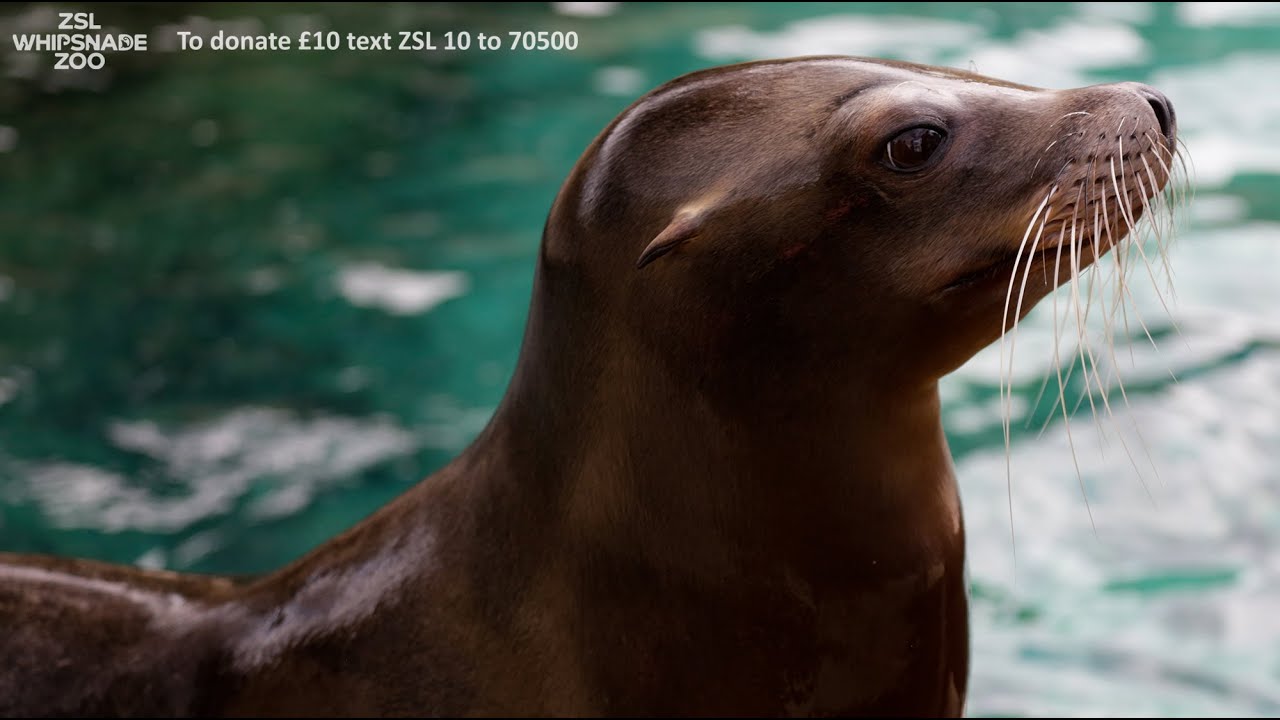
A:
79,43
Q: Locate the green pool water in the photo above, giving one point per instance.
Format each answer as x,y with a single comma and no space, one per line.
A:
247,298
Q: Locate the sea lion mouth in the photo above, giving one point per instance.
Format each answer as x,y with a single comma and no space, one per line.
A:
1065,253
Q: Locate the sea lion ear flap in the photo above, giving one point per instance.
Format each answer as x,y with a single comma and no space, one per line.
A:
682,229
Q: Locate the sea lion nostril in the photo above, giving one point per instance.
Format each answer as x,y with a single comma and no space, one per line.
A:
1162,115
1163,110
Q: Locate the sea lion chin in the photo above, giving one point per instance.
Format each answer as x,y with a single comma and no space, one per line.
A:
718,483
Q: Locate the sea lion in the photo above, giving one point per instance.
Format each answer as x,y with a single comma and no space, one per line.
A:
718,483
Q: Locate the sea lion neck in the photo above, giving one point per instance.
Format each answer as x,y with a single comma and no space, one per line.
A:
632,450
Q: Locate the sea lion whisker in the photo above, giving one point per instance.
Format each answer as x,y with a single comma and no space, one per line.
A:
1119,308
1074,256
1158,144
1084,113
1174,196
1156,287
1082,315
1177,171
1049,373
1117,257
1085,354
1187,164
1118,305
1169,196
1069,240
1057,362
1126,209
1007,402
1142,441
1058,323
1044,384
1070,309
1168,210
1132,239
1104,389
1100,212
1046,149
1182,189
1158,147
1185,191
1044,380
1018,259
1114,371
1147,262
1161,211
1177,160
1137,314
1021,294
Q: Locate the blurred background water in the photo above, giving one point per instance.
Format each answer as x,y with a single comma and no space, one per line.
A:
247,298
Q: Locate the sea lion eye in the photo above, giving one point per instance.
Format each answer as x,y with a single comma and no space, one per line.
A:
911,149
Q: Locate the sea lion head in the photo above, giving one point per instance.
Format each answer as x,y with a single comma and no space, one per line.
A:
824,218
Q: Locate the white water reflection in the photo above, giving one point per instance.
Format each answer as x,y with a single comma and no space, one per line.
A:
216,463
399,291
1169,592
